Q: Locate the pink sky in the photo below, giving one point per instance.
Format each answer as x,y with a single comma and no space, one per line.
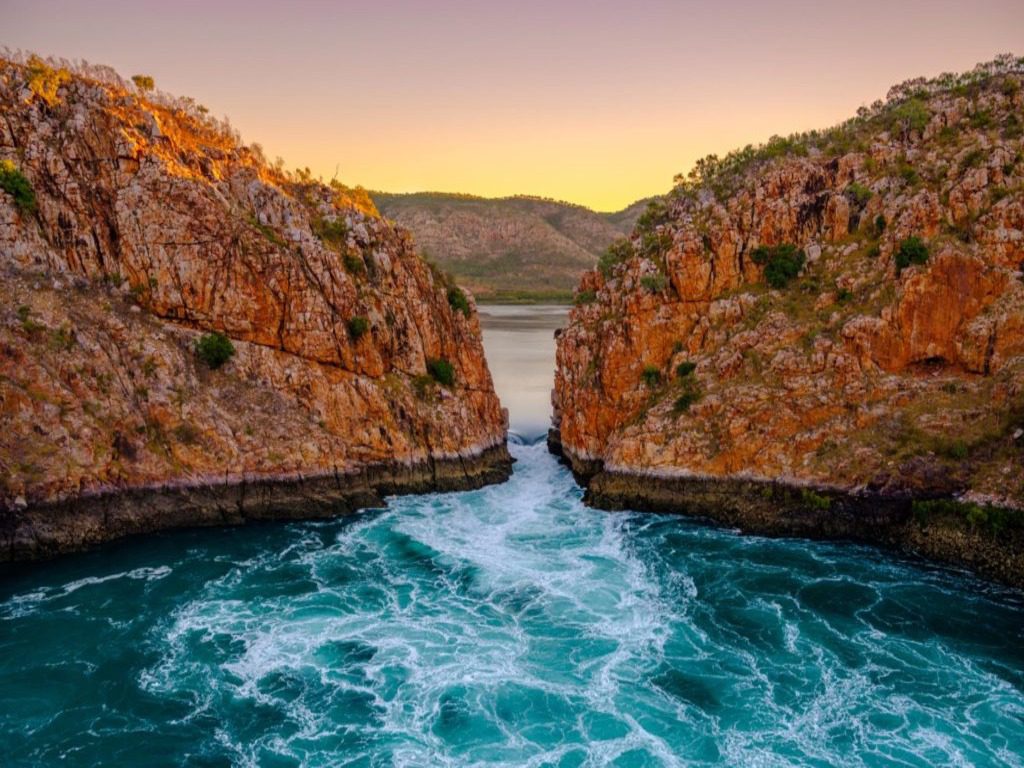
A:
598,103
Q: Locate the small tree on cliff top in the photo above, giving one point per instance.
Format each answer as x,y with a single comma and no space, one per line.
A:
143,82
44,80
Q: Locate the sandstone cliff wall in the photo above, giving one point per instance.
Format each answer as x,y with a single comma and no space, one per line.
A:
152,224
878,370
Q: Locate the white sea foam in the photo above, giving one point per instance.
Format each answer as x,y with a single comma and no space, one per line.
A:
23,604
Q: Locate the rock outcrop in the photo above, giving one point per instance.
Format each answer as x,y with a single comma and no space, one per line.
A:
823,335
130,225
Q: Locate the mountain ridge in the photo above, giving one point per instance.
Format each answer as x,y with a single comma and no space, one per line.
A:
516,247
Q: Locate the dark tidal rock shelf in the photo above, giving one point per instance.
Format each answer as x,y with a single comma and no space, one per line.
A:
42,531
781,509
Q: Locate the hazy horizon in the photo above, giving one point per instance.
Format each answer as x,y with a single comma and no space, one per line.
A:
581,103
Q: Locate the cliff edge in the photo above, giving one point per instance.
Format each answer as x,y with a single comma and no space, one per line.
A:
132,227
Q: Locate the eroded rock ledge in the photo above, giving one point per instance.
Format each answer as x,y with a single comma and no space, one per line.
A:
777,508
61,526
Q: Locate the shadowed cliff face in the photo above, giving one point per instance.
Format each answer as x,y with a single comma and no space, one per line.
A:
875,367
151,224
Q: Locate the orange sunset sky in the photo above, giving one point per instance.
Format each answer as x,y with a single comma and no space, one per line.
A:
596,103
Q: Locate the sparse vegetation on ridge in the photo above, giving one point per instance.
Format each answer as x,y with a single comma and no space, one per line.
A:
911,251
44,80
441,370
457,300
214,349
144,82
904,108
14,183
587,296
357,327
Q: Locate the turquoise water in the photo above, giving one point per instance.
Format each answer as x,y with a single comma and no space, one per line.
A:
507,626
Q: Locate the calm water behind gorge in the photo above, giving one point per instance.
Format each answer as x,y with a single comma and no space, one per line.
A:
506,626
520,344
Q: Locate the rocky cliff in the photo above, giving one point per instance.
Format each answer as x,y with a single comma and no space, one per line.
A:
823,335
131,225
509,248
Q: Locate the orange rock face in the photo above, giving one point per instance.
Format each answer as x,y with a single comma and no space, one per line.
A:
868,369
151,225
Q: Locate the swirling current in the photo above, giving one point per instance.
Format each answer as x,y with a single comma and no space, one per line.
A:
506,626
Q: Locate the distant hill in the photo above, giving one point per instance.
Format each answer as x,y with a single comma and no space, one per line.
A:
511,248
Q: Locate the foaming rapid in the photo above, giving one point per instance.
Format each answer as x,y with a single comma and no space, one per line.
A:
506,626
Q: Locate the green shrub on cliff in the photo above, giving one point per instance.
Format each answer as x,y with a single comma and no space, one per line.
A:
585,297
441,371
981,120
357,327
690,393
815,500
354,264
911,251
654,283
30,326
215,349
912,115
651,375
908,173
457,300
331,231
616,253
685,369
655,214
781,263
858,194
14,183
